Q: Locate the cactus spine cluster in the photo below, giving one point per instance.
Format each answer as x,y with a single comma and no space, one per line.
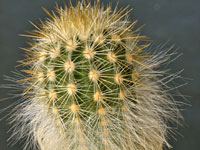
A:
91,84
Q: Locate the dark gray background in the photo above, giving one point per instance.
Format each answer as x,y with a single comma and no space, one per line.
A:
177,21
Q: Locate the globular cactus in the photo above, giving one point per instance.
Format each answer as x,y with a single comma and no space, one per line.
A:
91,83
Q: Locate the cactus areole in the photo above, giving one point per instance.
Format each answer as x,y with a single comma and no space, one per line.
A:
91,83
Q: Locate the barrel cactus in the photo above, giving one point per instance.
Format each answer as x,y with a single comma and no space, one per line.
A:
91,82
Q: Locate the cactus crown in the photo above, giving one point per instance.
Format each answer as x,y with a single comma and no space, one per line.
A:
91,85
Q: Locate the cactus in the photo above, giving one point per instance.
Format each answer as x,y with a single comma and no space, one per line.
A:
91,83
